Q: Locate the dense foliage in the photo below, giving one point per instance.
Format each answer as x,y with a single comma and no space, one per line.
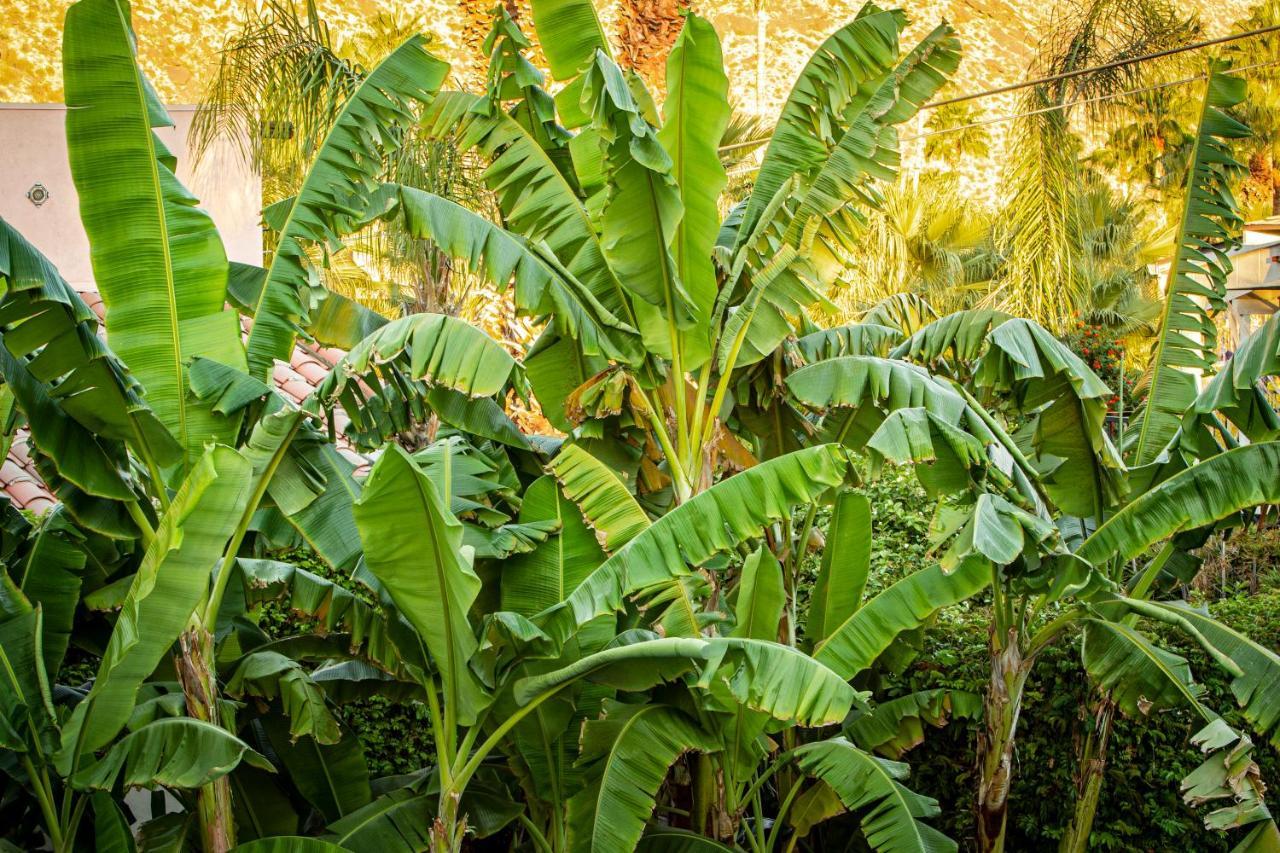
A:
616,636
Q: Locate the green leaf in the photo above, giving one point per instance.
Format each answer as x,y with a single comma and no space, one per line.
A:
1237,391
1230,773
812,118
712,522
628,754
1137,674
850,339
1196,284
893,727
829,218
80,401
537,201
667,839
764,676
760,597
642,208
543,288
695,115
51,580
171,581
157,258
571,32
369,127
1257,688
179,752
854,644
269,675
110,827
334,779
846,561
606,504
340,321
398,820
891,814
412,545
542,578
1202,494
402,363
287,844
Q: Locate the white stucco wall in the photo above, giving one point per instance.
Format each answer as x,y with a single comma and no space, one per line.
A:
33,149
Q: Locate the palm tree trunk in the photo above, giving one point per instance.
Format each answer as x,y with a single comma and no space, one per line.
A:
1001,706
1092,762
199,686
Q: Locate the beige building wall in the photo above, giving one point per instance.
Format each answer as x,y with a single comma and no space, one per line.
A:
33,150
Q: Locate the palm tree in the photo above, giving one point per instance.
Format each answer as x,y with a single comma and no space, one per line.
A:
1262,111
927,238
1039,231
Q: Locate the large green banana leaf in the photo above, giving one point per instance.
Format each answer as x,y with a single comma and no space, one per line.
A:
170,583
642,208
872,786
333,778
543,287
1257,688
1207,492
606,504
1138,675
812,118
1196,284
895,726
695,115
157,258
348,163
850,339
628,753
334,607
340,321
571,32
1235,390
179,752
50,578
854,644
846,562
409,367
270,675
412,544
713,522
760,597
536,199
777,680
81,403
542,578
1230,773
830,213
958,338
27,717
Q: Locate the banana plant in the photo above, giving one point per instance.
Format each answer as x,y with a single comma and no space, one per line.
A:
160,441
1063,522
611,226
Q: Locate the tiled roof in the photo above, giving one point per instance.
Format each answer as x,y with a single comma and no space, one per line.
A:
295,380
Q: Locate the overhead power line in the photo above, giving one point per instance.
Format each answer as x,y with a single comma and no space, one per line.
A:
1109,66
1093,100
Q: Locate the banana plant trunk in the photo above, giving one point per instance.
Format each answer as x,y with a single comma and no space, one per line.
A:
1092,762
447,831
1001,706
199,686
